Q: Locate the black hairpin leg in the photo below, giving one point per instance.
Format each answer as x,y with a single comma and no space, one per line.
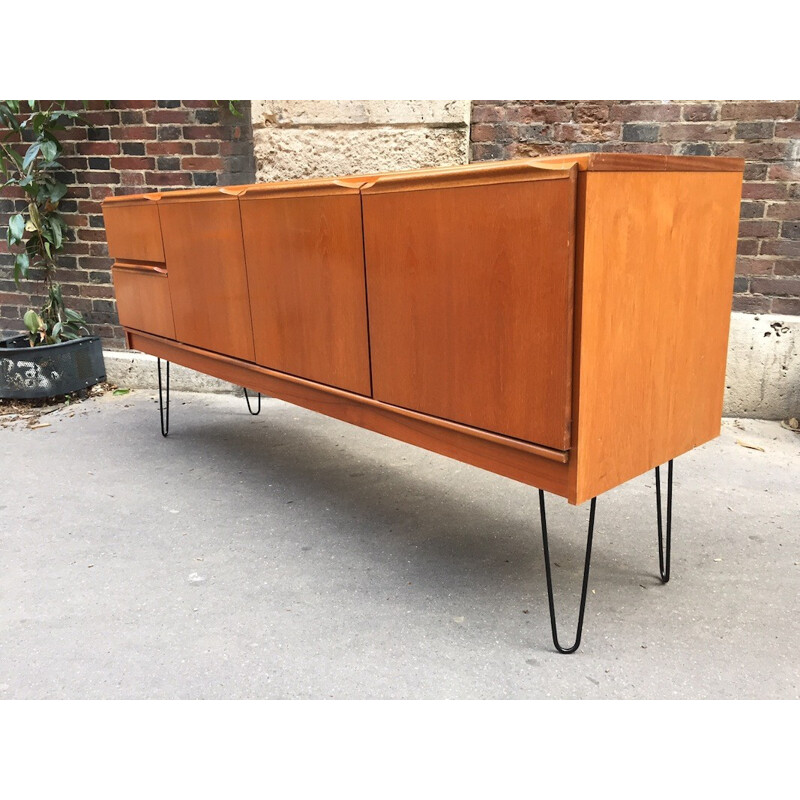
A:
162,407
550,601
258,407
664,555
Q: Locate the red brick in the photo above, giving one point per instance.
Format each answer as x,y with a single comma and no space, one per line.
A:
751,305
137,132
101,192
205,148
101,117
696,132
758,109
133,179
650,112
784,172
590,112
168,178
201,131
200,104
700,112
133,162
92,176
755,151
98,148
168,148
482,133
765,191
754,265
490,113
96,290
758,228
91,234
133,103
208,163
166,115
787,266
747,247
787,130
92,206
781,287
786,305
781,247
787,210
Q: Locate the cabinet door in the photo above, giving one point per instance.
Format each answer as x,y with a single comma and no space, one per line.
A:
305,266
470,289
206,271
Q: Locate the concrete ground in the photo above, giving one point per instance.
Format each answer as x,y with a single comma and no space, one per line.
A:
293,556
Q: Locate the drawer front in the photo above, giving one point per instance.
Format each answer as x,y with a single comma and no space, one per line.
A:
305,266
143,300
470,293
207,277
133,231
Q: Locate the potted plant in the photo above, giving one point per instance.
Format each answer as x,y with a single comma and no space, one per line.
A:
55,355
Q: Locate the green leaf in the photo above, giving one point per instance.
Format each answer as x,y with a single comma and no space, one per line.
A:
16,227
57,191
49,150
32,321
57,330
118,392
31,154
21,263
55,226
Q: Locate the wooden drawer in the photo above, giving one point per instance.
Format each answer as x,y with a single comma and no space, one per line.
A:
143,299
133,228
470,291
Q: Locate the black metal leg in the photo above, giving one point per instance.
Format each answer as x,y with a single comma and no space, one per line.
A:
258,407
664,557
587,562
161,404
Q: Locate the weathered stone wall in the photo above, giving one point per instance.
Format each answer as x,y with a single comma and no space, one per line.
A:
319,138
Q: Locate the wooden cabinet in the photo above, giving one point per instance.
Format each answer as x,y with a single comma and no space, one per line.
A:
203,246
305,269
470,278
561,321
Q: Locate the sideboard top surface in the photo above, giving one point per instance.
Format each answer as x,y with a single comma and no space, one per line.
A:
483,171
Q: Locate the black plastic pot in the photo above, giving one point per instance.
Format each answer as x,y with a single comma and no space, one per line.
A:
29,372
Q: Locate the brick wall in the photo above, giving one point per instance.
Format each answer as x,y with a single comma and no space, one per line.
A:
765,134
131,147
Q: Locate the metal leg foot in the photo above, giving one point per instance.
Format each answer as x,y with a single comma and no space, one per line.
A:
163,407
258,407
587,562
664,554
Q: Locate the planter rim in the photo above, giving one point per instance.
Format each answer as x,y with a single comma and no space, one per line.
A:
44,347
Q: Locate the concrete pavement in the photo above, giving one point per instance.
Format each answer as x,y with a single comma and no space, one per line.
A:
293,556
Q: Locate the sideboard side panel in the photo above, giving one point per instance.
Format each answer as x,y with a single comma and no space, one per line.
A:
656,281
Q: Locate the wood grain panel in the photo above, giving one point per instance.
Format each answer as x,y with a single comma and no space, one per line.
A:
470,301
305,266
133,229
535,466
207,275
643,162
658,257
143,300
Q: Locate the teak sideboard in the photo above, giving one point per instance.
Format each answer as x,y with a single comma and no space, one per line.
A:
561,321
